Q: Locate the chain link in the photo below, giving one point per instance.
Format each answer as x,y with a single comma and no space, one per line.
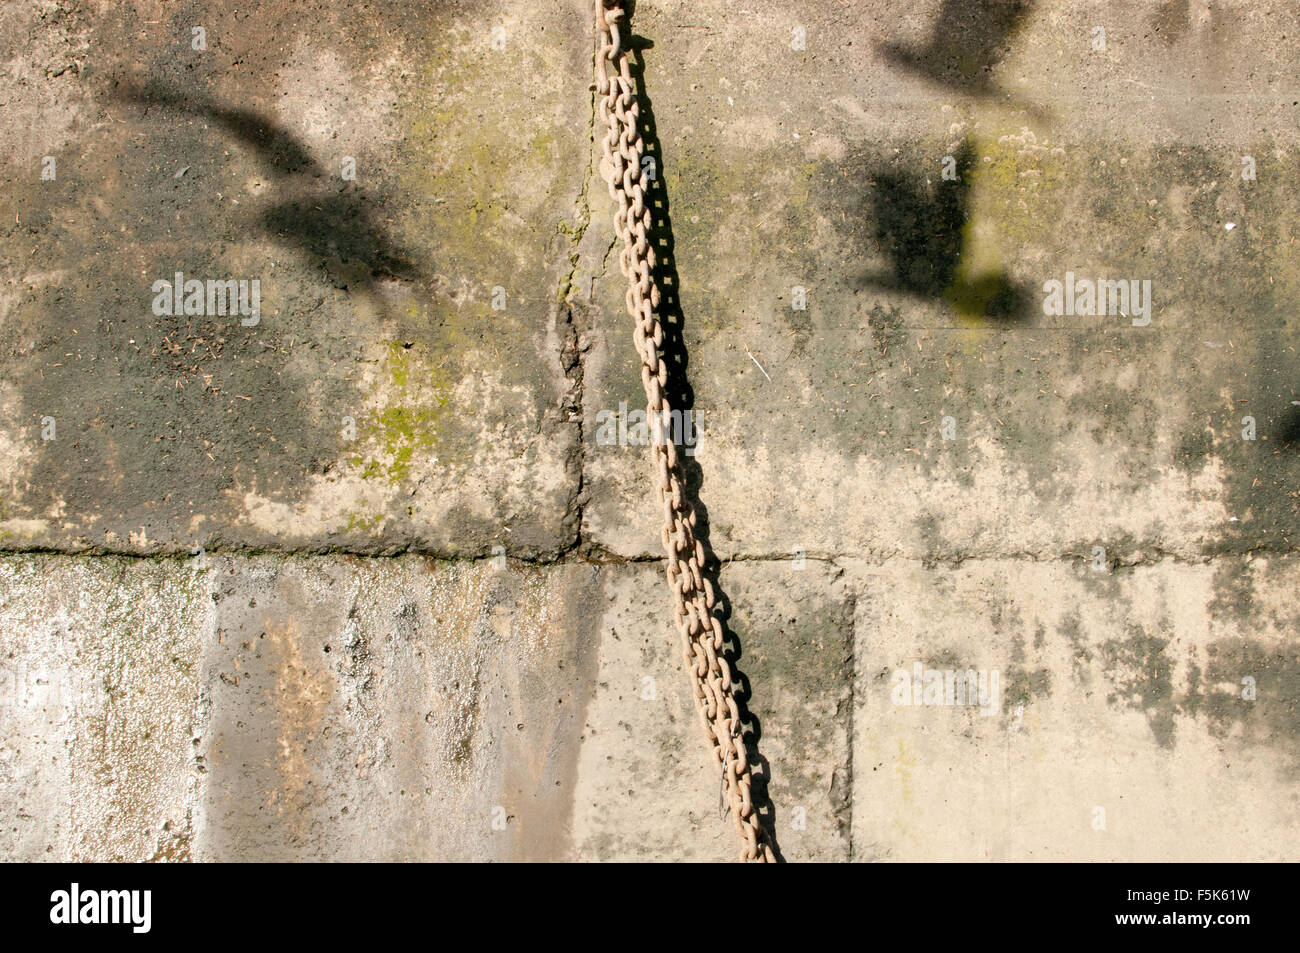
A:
693,598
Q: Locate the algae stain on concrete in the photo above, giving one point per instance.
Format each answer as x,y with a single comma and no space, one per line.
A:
1141,675
1008,184
1023,681
1272,716
414,398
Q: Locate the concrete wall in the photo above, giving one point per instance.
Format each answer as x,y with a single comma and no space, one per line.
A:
363,580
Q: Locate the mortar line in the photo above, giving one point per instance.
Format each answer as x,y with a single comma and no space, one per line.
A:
595,554
852,606
575,333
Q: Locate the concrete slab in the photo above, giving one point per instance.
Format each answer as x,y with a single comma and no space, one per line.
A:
254,602
649,787
1141,715
404,201
845,308
431,713
100,710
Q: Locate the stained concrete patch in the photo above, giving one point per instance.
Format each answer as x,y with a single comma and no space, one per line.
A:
1145,702
402,386
1139,669
99,709
432,713
1252,694
649,786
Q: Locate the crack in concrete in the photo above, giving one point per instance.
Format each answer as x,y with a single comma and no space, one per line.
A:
576,339
845,808
571,361
588,552
582,208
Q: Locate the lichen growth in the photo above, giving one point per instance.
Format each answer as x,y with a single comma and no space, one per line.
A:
414,400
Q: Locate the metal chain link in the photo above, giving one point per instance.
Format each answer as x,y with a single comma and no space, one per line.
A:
693,596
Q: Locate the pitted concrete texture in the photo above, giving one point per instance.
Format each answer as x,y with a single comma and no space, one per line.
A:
1140,716
295,708
375,572
281,708
101,713
408,382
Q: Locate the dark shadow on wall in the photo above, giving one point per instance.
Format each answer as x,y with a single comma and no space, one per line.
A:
329,220
920,227
969,38
1171,20
162,416
680,395
1288,429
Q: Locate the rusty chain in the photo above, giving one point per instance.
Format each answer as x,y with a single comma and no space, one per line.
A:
693,598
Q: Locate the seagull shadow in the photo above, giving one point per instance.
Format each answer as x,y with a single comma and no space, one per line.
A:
329,221
921,228
968,40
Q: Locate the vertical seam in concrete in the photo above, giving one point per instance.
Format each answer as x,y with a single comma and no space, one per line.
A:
572,355
197,797
852,608
574,369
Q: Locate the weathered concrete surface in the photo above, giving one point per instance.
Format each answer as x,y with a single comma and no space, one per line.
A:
385,710
1122,693
332,707
924,297
380,402
100,711
289,708
921,466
